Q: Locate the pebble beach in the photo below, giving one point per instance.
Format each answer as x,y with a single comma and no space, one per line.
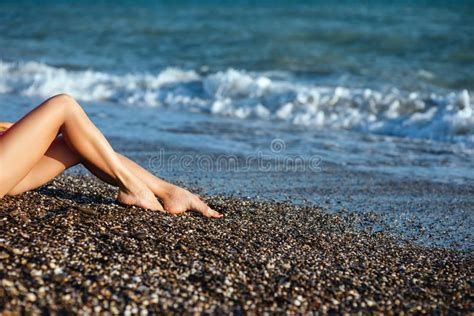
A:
69,248
336,138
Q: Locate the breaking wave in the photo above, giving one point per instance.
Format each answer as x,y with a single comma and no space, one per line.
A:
237,93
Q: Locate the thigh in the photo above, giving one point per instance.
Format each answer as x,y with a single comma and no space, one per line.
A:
26,142
58,158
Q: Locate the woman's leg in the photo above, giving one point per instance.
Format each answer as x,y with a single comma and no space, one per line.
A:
57,158
60,156
26,142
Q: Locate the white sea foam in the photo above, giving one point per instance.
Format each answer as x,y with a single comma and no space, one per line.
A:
242,94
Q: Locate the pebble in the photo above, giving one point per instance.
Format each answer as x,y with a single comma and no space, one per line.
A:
31,297
140,235
370,303
7,283
86,211
262,258
4,255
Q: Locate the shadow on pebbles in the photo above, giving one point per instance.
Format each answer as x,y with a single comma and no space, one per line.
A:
68,248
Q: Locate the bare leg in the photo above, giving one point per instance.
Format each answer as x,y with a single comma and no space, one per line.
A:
55,161
26,142
60,156
176,200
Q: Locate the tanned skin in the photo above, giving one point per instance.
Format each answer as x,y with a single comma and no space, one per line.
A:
57,135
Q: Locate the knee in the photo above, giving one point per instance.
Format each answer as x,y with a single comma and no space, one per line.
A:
64,101
62,98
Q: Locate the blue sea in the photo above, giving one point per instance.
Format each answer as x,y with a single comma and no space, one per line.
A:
376,98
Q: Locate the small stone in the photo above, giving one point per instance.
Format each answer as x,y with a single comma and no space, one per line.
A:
31,297
114,310
140,235
59,277
41,291
86,211
370,303
4,255
7,283
17,252
24,235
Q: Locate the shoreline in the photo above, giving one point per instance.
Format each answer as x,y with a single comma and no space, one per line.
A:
67,247
427,198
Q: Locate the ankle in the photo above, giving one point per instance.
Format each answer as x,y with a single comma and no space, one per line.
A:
126,180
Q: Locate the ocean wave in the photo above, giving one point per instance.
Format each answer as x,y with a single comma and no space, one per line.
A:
237,93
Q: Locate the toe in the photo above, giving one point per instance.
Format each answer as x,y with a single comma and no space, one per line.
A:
211,213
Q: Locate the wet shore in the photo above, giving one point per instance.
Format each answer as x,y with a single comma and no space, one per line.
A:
68,247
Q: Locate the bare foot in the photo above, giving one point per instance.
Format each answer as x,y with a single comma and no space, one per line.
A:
144,199
178,200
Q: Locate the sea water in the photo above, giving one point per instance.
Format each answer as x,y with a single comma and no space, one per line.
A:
375,98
